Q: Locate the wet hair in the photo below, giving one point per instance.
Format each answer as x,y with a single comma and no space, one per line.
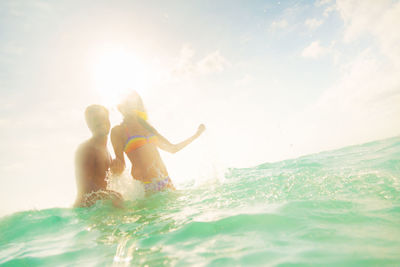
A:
92,112
132,102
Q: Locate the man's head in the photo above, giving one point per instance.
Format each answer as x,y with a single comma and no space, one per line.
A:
97,120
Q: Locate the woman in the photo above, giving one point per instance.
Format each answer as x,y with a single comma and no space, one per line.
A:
139,140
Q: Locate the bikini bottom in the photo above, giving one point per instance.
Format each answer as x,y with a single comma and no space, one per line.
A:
158,184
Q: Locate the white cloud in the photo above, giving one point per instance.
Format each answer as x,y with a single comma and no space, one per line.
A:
312,24
213,62
314,50
329,6
388,34
329,9
363,105
187,65
379,19
279,24
322,2
364,102
184,63
362,16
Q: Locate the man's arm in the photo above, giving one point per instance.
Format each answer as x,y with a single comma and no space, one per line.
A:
166,145
117,165
85,163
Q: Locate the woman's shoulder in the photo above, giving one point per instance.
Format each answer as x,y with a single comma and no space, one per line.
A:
118,129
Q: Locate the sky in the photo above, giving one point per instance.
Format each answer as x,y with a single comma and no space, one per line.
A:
271,80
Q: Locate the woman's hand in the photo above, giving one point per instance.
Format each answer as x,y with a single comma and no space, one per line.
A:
173,148
201,129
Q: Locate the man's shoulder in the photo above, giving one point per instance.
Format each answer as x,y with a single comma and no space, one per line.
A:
84,146
85,149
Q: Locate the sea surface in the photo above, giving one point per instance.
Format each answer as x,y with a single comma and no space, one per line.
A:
336,208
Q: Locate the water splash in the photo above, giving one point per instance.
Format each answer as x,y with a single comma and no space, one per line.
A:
129,188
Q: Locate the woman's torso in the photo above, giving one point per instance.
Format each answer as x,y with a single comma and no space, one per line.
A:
142,151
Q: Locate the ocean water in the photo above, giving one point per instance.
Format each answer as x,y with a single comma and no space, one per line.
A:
336,208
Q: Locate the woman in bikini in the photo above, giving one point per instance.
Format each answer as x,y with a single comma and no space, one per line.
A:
140,142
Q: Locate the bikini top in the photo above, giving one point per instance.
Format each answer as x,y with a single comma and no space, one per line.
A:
136,141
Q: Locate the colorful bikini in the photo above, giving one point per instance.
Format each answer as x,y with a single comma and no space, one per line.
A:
136,141
157,184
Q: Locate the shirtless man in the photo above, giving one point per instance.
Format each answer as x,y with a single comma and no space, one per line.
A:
92,161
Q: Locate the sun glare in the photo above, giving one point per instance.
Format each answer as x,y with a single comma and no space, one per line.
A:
116,71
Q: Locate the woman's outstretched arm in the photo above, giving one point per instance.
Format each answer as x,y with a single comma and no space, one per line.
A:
166,145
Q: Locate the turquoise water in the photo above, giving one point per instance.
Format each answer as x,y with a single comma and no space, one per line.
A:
337,208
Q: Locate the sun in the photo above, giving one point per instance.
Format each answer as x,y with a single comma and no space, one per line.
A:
116,71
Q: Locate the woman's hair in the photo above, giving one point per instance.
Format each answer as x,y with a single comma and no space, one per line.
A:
132,102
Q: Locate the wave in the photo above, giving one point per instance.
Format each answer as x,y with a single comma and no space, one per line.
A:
333,208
